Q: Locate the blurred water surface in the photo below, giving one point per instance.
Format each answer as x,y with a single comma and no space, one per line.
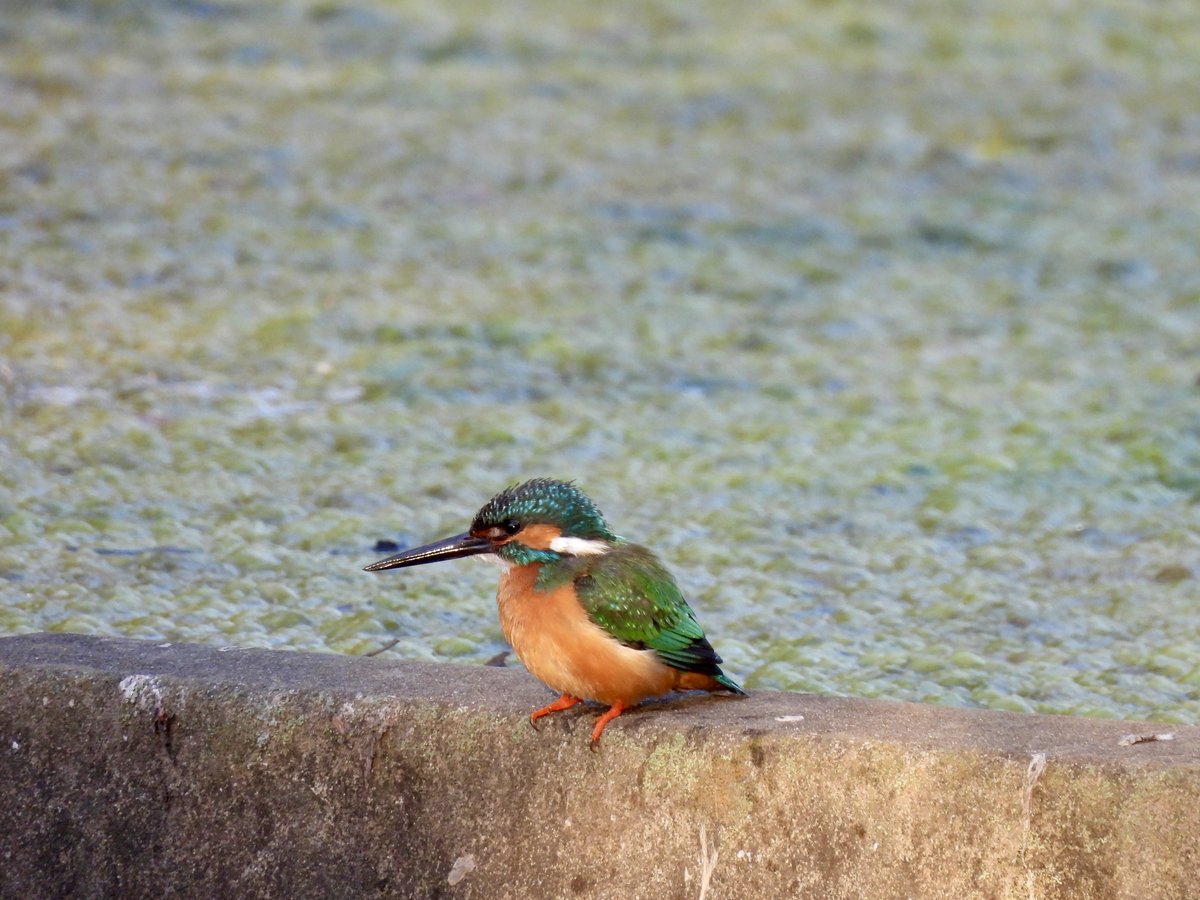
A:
880,322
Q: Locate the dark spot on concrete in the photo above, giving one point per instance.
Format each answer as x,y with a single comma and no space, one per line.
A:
164,727
758,755
579,884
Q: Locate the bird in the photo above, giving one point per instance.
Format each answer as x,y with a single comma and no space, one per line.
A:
591,615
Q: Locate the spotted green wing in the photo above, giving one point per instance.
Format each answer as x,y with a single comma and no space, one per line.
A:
629,594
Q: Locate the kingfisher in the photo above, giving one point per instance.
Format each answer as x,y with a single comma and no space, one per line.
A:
588,613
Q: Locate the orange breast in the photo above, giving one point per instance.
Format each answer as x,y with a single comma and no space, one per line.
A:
556,641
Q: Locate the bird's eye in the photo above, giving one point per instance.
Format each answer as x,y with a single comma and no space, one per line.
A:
512,526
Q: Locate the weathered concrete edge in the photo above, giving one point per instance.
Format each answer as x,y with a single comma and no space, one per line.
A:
126,763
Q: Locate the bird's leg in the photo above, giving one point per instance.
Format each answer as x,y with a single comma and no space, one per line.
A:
566,701
615,710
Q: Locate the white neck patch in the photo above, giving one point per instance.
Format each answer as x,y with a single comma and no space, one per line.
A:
573,546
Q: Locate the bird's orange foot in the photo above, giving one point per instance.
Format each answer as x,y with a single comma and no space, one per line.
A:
566,701
615,710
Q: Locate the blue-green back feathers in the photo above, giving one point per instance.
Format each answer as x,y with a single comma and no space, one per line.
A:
632,596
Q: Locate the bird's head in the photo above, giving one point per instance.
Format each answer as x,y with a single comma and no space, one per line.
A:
541,520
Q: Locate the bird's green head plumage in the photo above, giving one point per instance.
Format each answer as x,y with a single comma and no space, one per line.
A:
542,521
543,501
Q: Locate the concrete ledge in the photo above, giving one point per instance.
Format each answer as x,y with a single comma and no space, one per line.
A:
137,770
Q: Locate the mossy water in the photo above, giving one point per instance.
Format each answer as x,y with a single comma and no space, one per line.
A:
882,327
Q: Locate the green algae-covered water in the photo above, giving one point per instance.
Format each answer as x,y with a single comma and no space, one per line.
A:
881,324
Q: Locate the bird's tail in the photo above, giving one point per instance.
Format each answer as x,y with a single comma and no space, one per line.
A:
703,681
729,684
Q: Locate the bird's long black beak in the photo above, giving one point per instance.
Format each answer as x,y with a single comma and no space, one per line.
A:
448,548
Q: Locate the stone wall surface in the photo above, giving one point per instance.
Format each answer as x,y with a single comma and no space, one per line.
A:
134,769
